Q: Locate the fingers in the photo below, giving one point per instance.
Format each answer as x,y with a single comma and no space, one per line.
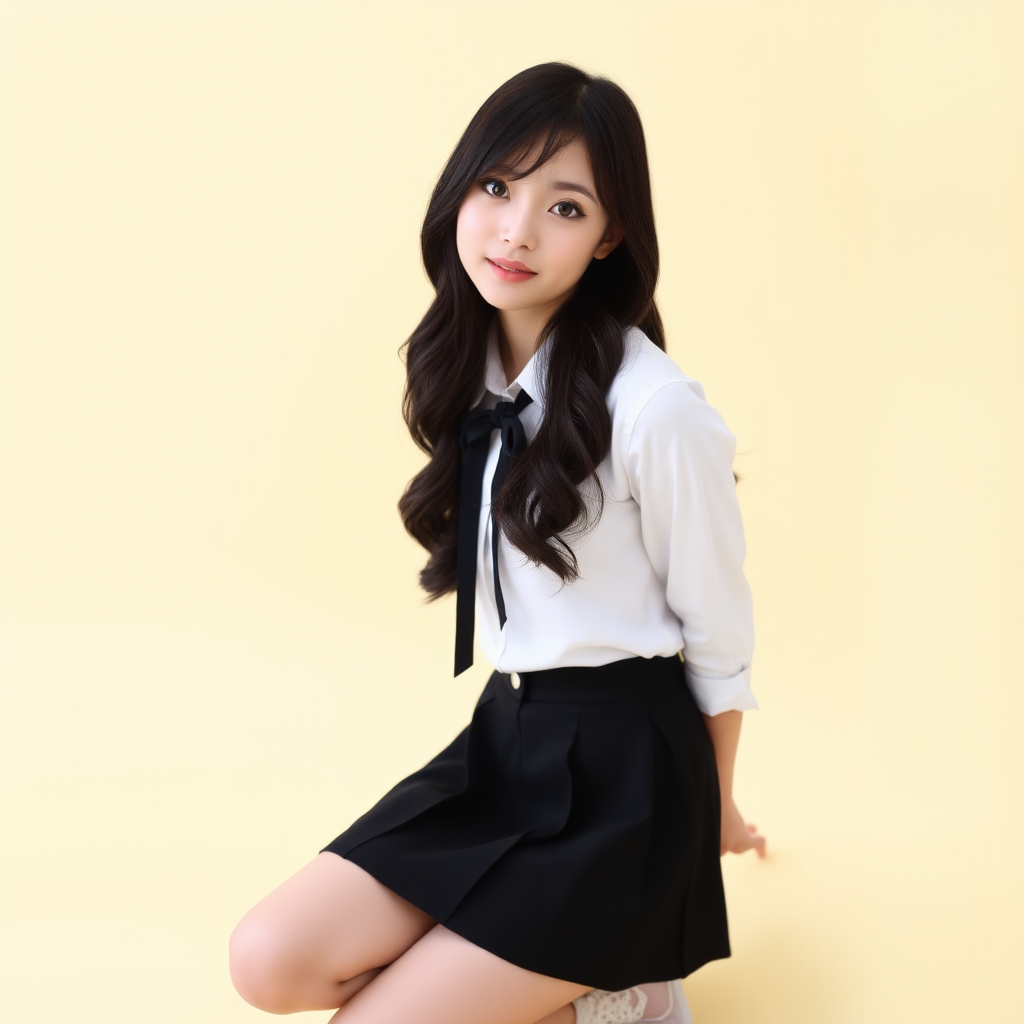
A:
756,842
749,839
739,836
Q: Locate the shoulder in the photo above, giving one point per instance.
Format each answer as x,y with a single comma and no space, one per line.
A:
645,370
651,394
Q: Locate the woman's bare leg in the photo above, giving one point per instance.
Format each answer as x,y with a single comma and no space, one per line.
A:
443,979
320,937
563,1015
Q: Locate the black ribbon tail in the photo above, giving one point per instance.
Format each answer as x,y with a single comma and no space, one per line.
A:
474,457
476,433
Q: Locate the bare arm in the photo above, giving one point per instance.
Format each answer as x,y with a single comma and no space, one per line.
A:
737,836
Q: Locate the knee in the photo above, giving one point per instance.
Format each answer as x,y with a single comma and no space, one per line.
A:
262,971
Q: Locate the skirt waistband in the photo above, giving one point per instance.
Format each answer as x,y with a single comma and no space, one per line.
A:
629,679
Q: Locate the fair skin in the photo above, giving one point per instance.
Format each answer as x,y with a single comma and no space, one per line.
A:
538,221
737,836
333,937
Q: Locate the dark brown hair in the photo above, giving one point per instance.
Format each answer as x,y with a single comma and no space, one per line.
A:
549,105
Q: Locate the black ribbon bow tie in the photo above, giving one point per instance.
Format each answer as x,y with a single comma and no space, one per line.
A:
476,440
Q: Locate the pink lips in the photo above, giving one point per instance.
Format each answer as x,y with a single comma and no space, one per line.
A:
517,271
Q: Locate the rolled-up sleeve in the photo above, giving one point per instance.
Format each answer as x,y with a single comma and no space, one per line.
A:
679,459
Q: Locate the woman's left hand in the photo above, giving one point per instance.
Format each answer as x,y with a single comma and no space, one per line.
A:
737,835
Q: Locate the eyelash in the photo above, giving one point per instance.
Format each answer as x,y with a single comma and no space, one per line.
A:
562,202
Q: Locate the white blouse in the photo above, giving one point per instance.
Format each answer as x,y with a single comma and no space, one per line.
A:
662,570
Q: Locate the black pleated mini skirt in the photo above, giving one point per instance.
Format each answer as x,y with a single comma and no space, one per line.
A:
572,828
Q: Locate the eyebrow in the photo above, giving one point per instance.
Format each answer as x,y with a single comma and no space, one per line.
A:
572,186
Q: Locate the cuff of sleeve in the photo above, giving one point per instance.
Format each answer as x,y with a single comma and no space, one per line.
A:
713,696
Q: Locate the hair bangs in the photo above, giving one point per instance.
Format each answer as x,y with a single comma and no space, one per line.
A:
555,139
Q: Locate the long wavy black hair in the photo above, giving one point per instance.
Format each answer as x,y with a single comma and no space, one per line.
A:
540,503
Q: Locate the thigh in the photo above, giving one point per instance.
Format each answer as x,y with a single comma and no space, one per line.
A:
329,922
444,979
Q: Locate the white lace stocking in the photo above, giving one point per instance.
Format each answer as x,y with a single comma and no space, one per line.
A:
601,1007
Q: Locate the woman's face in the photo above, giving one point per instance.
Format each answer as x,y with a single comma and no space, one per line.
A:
549,223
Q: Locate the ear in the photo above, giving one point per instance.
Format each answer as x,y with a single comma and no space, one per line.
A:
612,237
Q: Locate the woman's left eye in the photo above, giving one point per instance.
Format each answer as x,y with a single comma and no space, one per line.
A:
575,211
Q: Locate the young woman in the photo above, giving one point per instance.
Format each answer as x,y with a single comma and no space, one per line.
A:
559,861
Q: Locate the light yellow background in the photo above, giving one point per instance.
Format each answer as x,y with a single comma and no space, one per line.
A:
214,653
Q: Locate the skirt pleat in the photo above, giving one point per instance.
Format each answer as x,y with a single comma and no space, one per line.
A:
572,828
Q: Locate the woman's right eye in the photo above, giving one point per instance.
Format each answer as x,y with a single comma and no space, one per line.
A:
499,184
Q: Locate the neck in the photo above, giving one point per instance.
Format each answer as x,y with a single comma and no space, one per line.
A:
518,338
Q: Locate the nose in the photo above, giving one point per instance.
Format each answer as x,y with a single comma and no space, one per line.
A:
517,227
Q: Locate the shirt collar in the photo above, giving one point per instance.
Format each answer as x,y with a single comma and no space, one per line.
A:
531,379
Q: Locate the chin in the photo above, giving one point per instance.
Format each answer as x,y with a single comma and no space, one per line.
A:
496,299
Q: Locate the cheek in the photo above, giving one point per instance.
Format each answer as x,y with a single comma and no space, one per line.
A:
467,227
575,254
462,244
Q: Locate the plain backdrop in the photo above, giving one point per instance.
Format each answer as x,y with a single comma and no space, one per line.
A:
213,651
